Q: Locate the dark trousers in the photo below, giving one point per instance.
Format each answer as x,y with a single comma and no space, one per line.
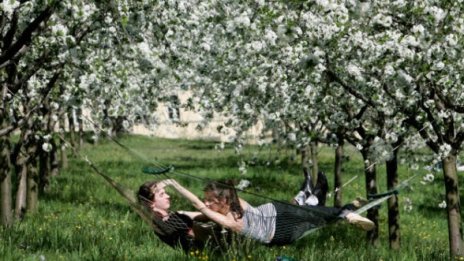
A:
293,221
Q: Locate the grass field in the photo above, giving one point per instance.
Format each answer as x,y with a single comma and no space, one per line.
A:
82,218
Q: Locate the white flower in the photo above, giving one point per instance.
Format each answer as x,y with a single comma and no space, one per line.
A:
383,20
257,45
144,48
242,20
389,70
391,137
442,204
354,71
8,6
243,184
291,136
418,29
59,29
428,178
439,66
408,205
47,147
444,150
206,46
359,146
242,168
260,2
452,40
270,36
437,13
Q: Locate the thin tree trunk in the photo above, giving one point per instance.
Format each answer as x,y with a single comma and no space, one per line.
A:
394,234
453,206
6,209
63,153
44,170
81,127
304,160
21,193
32,184
338,197
371,189
72,128
315,167
54,162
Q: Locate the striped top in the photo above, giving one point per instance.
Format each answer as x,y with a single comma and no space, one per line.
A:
259,222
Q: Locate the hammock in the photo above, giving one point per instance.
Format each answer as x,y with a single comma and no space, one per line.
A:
157,224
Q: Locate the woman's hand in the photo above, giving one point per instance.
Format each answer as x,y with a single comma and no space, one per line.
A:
167,182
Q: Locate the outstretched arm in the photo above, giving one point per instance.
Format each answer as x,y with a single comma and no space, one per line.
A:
225,221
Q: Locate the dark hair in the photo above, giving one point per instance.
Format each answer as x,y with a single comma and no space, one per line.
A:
226,190
145,196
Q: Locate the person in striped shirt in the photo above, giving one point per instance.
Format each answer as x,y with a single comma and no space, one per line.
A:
274,223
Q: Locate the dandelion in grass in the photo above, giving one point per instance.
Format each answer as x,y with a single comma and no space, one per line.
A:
429,178
408,204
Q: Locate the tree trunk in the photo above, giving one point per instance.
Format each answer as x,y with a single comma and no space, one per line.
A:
315,167
338,197
72,128
32,185
393,209
371,189
6,209
44,170
453,206
63,154
21,193
304,160
81,127
54,162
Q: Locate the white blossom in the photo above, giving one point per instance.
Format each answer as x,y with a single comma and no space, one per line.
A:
407,204
59,29
8,6
271,36
47,147
243,184
442,204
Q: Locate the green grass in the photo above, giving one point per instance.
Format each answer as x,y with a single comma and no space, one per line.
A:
82,218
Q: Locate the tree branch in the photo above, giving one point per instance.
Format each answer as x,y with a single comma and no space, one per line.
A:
26,36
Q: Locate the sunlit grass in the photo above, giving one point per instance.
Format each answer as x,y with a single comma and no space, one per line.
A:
81,218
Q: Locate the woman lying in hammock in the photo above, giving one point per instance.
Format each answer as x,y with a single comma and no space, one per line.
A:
176,229
273,223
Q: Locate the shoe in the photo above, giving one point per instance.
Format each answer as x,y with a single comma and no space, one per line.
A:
311,201
300,198
360,221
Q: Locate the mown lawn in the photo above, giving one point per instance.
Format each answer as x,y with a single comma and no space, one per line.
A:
82,218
